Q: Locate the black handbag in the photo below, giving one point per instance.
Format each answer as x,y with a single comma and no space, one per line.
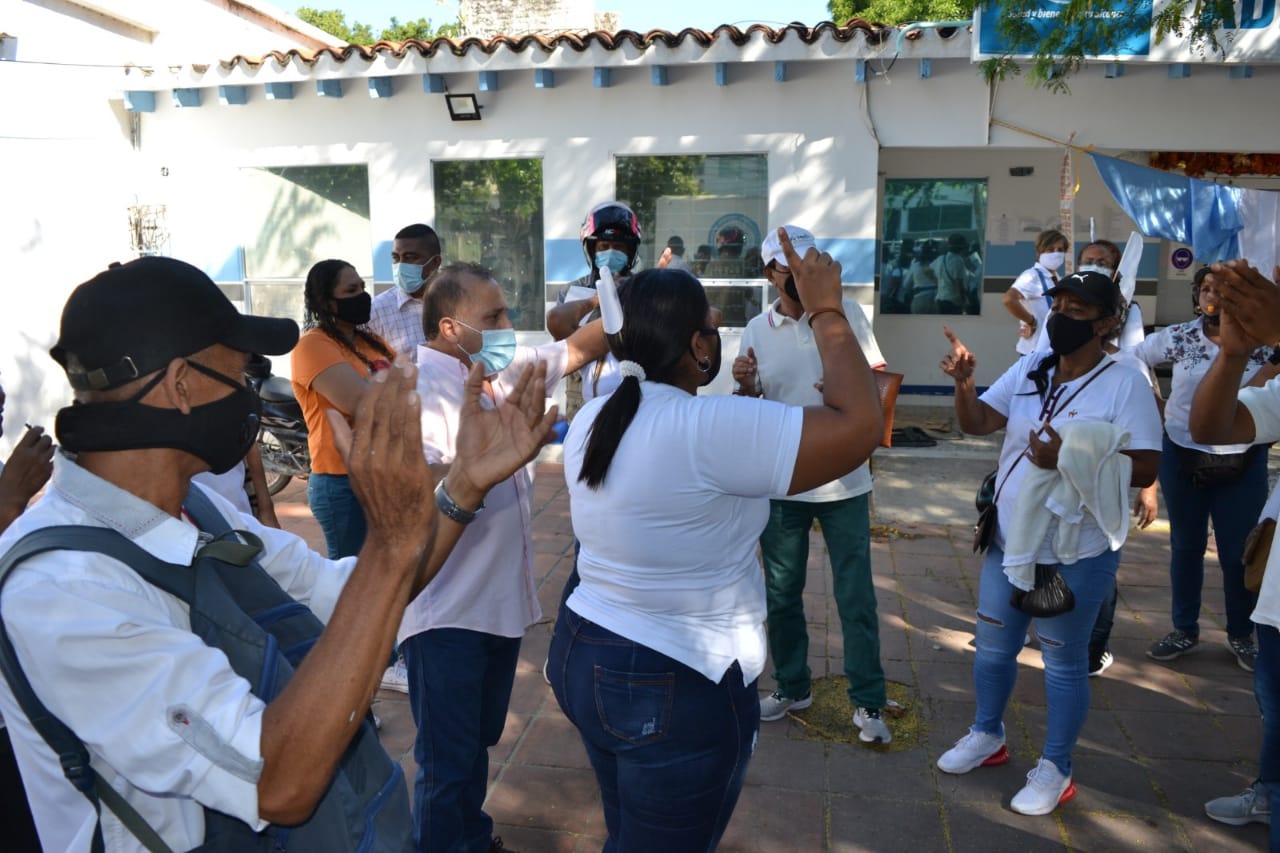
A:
1050,597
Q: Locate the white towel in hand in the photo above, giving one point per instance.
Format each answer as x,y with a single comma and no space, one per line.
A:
1092,476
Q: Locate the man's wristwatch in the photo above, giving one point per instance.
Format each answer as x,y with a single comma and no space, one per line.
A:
446,505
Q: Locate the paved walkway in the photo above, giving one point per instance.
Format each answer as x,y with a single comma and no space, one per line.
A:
1160,740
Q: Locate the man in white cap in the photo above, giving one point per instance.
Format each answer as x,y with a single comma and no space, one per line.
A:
781,363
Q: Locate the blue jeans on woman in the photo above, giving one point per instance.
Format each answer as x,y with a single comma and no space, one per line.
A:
1064,647
1234,508
338,513
669,747
1266,689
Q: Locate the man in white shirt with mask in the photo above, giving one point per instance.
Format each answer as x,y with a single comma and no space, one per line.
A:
396,315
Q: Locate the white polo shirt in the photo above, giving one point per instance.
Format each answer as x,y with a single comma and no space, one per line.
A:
788,366
1264,405
1033,283
396,317
114,658
1191,351
669,539
1118,396
486,584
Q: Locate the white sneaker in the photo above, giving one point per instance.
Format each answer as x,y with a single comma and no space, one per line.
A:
873,728
396,677
1046,790
974,750
776,706
1252,806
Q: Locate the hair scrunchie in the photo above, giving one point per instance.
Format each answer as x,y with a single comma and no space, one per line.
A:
631,368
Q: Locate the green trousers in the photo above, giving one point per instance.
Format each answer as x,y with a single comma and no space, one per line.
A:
784,546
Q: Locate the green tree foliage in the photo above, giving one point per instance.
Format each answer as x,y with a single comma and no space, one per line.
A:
642,180
1080,34
334,22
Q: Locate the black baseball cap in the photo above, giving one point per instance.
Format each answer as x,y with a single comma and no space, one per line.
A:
133,319
1093,287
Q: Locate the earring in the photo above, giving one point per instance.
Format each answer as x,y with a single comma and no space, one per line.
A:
704,364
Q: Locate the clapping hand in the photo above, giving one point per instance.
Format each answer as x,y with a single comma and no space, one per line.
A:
1251,315
958,363
493,444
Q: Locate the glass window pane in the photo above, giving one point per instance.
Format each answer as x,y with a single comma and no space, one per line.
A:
934,231
717,205
297,215
490,212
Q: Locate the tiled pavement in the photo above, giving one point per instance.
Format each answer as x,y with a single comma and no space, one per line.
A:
1160,739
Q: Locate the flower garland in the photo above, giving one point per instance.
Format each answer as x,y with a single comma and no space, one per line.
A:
1197,164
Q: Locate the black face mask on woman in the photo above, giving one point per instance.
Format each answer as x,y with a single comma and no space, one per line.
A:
218,433
354,309
1067,334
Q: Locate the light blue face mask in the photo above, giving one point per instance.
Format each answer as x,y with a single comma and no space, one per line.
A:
408,277
497,348
1107,271
614,259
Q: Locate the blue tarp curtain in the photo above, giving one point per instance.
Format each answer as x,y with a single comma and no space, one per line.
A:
1200,214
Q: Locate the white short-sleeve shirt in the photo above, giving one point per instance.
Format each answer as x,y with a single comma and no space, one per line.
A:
1264,405
1118,396
1191,352
114,658
788,366
669,538
1033,284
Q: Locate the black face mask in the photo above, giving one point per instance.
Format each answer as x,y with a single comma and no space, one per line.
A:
712,370
790,287
354,309
1067,334
218,433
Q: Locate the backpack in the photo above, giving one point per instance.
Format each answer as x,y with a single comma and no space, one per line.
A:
239,608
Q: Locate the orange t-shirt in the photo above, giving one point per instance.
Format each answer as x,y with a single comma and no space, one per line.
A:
315,353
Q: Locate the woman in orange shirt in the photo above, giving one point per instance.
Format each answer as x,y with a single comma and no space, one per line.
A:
333,363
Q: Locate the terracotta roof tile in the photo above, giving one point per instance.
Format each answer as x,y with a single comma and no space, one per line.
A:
578,41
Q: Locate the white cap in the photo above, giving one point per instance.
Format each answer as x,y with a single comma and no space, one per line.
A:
771,248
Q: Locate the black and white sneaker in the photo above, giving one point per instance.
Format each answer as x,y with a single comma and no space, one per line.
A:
1174,645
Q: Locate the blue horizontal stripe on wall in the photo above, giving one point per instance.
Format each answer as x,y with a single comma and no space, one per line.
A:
565,262
1010,260
231,268
382,261
947,390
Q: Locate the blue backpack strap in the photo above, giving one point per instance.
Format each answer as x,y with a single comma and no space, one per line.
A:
71,751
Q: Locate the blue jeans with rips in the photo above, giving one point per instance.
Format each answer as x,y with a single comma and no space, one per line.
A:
459,688
338,513
1266,689
1234,508
669,747
1064,646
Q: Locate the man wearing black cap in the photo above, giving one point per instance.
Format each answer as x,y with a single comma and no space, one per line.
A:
155,354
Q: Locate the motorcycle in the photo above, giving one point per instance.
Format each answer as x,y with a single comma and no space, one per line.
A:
282,434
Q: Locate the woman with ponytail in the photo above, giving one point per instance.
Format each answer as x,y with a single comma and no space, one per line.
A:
332,365
656,653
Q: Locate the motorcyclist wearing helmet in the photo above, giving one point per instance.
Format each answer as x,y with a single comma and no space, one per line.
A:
610,238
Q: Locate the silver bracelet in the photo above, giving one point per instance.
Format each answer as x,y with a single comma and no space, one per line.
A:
446,504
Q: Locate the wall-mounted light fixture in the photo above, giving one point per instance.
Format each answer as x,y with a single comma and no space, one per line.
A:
462,107
1021,171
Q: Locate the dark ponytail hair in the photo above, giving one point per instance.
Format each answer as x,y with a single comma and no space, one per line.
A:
662,310
322,280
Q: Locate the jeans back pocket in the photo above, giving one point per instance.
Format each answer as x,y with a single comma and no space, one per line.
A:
635,707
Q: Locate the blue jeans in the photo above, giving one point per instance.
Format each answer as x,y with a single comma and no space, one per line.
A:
784,549
459,688
1064,646
669,747
1234,508
338,513
1266,689
1100,637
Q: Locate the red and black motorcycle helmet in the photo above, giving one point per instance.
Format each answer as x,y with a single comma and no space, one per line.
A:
614,221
